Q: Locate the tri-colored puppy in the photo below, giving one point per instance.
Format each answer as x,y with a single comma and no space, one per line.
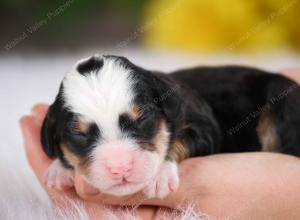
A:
125,129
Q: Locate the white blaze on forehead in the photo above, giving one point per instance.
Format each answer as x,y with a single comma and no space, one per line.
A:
100,96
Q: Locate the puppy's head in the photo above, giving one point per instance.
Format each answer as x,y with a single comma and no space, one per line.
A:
113,122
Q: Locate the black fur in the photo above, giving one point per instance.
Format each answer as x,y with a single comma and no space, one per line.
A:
239,94
52,129
92,64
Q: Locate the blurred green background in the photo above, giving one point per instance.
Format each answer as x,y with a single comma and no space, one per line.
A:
80,23
191,25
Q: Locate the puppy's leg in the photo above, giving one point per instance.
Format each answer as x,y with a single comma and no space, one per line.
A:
165,182
59,177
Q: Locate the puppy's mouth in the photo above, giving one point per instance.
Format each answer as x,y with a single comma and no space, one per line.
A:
125,187
123,183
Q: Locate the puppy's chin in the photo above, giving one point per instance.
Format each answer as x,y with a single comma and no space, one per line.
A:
120,188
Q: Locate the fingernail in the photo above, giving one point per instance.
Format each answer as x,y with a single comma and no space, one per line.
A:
35,113
38,113
35,108
35,117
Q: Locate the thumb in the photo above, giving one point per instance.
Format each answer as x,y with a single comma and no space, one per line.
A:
36,157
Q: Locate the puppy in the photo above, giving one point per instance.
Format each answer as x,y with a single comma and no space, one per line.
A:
125,129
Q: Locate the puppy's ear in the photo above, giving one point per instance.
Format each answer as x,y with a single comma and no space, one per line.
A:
90,64
170,100
52,127
49,133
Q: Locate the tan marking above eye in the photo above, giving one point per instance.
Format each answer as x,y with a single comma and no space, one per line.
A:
82,126
160,141
134,112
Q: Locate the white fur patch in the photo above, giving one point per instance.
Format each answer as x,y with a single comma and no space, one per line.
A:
166,181
100,96
58,177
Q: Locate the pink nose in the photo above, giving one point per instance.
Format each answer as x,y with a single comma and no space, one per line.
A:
120,170
118,159
123,169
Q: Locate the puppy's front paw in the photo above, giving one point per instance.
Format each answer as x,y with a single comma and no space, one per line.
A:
166,181
59,177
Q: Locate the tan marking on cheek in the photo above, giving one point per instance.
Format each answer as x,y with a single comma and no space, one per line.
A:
160,141
177,152
79,163
134,112
267,133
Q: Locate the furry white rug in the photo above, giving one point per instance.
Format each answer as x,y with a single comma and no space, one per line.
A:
23,198
28,79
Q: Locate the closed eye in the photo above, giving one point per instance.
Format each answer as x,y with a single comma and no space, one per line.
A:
76,137
141,141
79,143
147,145
78,133
146,121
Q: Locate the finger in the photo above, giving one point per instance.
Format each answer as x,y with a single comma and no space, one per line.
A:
35,155
293,73
39,111
290,70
